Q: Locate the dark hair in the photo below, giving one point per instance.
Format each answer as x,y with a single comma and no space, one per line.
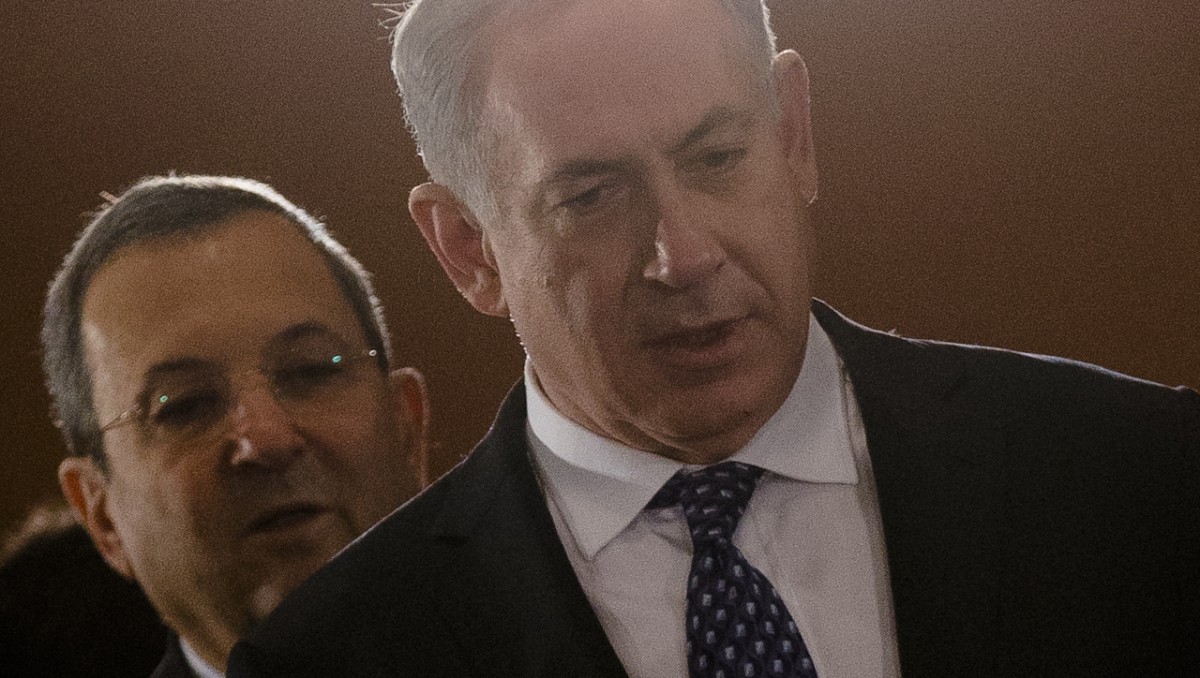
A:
163,207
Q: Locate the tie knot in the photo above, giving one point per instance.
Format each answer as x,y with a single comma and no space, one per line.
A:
712,498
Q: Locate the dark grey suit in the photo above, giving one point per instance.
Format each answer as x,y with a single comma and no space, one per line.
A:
1041,517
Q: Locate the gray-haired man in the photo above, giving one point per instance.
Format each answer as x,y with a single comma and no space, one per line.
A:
704,472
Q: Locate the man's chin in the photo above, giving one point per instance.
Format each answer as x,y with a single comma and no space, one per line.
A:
266,598
283,579
714,422
705,435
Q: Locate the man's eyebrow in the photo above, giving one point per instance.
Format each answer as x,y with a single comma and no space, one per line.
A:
578,169
304,330
716,118
175,366
721,116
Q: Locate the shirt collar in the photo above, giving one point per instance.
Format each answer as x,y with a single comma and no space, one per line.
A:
600,485
201,668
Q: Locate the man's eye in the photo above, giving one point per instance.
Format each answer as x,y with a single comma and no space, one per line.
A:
186,410
722,159
589,199
303,378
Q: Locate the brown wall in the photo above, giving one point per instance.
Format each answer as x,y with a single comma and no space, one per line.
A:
1008,172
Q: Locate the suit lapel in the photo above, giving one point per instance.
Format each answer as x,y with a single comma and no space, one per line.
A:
936,453
510,591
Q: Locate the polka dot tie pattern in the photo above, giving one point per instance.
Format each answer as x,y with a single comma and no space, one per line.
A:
737,626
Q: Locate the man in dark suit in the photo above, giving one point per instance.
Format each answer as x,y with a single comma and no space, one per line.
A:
222,375
703,472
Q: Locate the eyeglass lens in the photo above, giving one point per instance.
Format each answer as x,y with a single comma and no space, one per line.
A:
192,403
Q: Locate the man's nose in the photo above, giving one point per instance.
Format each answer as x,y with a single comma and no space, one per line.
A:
685,250
263,432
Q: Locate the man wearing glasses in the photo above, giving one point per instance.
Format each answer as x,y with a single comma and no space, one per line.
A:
221,371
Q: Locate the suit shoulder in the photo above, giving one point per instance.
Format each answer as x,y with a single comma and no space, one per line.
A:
1036,375
376,590
1045,378
1014,386
389,543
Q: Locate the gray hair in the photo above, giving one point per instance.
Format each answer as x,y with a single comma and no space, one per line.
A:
436,52
157,208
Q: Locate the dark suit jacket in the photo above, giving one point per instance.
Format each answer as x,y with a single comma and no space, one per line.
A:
1041,518
173,664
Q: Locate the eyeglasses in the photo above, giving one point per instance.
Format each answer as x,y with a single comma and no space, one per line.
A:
191,402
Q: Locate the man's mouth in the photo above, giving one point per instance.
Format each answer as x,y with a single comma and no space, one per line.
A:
286,517
701,347
695,338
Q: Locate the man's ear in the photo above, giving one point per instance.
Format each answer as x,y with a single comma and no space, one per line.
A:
459,245
86,490
795,123
411,401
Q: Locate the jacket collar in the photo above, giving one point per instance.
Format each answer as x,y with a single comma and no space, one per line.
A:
509,589
937,453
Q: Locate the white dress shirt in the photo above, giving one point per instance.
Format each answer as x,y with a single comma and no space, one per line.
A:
201,668
812,527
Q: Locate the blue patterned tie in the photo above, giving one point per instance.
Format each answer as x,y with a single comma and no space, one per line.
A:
737,626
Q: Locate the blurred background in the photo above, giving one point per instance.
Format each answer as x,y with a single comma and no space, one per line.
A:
1016,173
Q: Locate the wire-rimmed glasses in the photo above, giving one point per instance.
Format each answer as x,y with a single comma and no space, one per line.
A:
191,400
